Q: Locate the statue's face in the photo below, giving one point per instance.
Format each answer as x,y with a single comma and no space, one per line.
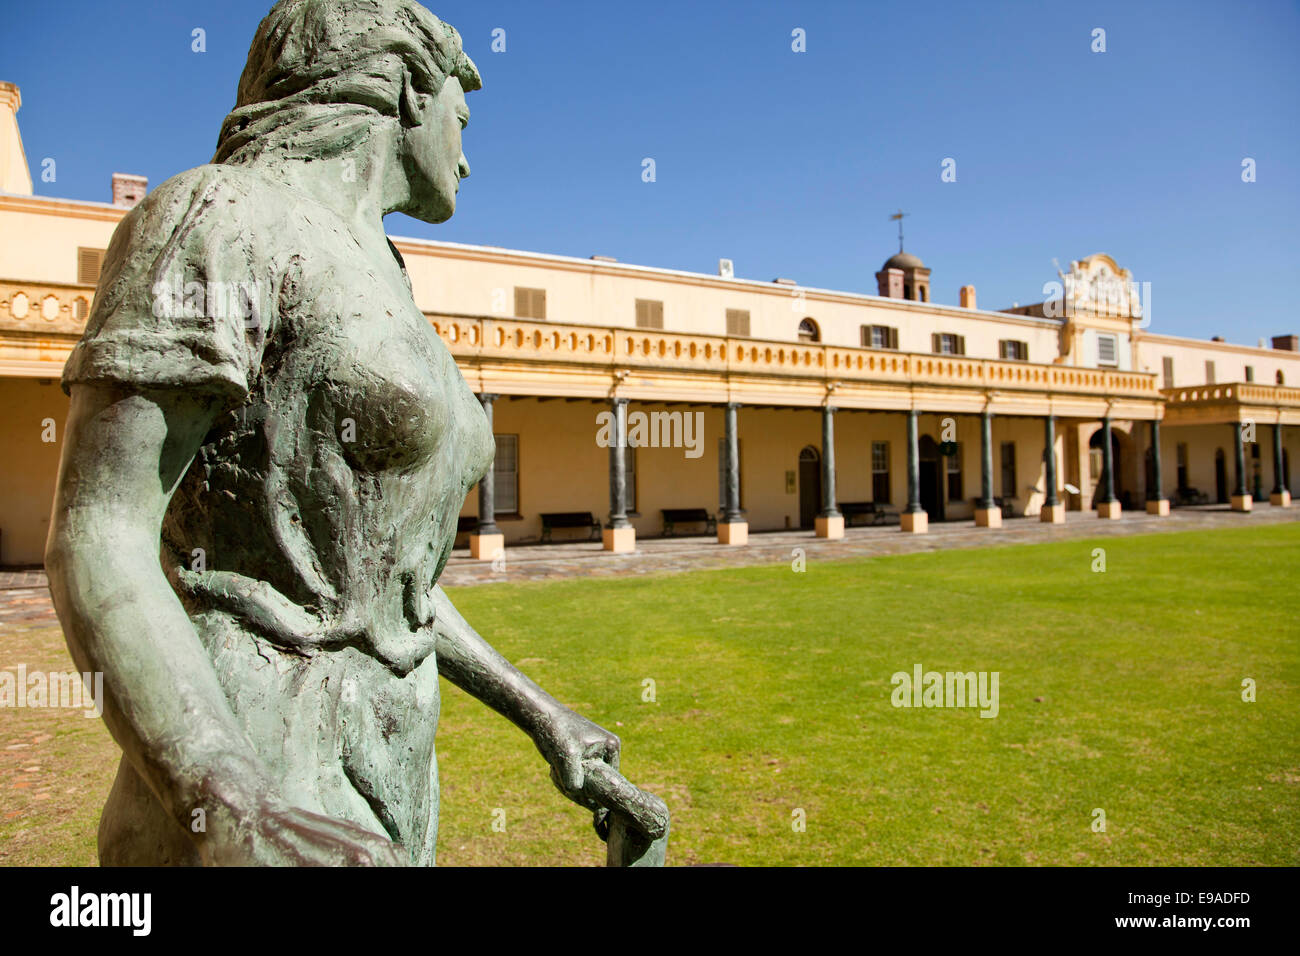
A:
435,163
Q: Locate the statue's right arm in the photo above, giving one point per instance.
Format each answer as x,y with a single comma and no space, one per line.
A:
124,453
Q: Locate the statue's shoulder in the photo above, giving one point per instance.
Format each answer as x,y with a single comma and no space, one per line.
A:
220,193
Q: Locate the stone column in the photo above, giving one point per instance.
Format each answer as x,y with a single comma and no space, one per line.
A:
619,536
733,528
830,523
1241,499
1107,506
1281,495
1157,503
486,542
1052,511
914,520
987,512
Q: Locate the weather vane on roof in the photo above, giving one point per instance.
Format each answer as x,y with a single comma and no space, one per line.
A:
899,216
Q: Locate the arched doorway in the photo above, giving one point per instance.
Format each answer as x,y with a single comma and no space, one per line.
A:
1220,477
1097,466
810,486
931,477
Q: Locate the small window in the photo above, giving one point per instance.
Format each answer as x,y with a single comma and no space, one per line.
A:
1209,373
879,337
505,475
530,303
880,472
649,314
738,322
1281,379
808,331
1168,369
89,262
946,343
954,473
1107,350
1250,373
1013,350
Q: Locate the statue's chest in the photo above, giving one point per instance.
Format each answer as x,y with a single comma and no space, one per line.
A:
360,361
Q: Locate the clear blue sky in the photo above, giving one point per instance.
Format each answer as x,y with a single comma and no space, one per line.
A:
789,163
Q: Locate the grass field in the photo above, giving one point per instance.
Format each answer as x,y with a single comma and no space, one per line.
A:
1119,691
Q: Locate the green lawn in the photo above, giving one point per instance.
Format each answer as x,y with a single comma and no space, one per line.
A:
1118,690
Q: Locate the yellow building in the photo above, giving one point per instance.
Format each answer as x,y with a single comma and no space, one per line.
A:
842,405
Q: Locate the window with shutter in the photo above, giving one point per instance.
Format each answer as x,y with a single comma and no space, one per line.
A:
879,337
880,472
1013,350
530,303
1209,373
649,314
89,262
738,322
1167,367
947,343
1107,350
505,474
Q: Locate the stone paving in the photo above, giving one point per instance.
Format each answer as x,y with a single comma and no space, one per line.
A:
24,596
535,562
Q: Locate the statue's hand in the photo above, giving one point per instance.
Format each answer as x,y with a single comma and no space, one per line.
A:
567,740
277,835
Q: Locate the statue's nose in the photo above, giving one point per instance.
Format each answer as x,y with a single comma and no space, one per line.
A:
462,168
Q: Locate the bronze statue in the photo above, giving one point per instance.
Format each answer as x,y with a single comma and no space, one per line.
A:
257,390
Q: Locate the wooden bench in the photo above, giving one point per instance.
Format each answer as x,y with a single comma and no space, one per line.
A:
569,519
676,516
877,513
1190,496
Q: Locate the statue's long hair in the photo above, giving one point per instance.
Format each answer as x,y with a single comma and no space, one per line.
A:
319,70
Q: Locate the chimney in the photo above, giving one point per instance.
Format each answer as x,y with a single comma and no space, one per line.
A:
1287,343
15,177
128,189
1216,338
968,297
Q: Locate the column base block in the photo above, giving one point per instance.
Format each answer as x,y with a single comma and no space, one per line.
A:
1158,508
486,547
618,540
1052,514
914,522
733,532
830,527
1109,510
1241,502
988,517
1282,500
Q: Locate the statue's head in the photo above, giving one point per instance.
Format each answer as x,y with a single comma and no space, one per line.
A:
323,75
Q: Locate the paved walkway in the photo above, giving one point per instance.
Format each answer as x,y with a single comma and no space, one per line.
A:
535,562
24,596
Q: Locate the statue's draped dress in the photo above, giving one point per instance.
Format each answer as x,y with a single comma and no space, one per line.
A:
308,533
